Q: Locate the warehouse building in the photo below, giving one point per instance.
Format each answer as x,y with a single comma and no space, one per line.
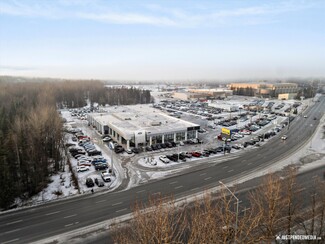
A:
206,94
265,89
141,125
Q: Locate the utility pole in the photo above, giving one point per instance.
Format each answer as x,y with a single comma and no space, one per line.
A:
237,208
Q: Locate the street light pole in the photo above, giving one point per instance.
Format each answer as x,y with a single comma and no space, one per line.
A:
237,208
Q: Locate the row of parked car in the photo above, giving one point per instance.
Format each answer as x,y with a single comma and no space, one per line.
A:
183,156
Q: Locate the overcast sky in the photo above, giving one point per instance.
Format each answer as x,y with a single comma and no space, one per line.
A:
162,40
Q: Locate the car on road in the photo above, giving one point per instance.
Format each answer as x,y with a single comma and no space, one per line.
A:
284,137
99,182
106,176
164,159
82,168
89,182
305,116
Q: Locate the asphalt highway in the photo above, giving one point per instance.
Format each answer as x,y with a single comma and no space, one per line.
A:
39,222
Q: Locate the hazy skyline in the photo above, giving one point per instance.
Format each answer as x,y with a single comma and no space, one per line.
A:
162,40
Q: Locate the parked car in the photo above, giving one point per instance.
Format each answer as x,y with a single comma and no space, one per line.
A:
107,139
128,151
196,154
135,150
164,159
90,182
148,148
106,176
101,166
82,168
99,182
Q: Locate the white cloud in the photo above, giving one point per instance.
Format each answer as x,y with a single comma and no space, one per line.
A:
152,14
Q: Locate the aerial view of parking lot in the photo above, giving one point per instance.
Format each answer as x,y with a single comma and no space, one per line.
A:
162,121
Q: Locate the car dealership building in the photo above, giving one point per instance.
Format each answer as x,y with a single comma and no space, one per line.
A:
141,125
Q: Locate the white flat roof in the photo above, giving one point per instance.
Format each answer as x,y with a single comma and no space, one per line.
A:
129,119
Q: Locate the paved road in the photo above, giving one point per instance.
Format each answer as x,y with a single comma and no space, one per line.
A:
37,223
305,185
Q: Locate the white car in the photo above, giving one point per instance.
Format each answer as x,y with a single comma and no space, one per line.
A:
107,139
128,151
305,116
82,168
284,137
106,176
164,159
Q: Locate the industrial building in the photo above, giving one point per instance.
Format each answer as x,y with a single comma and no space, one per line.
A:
202,94
265,89
141,125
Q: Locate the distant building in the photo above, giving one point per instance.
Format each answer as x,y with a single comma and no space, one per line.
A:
141,125
203,94
264,89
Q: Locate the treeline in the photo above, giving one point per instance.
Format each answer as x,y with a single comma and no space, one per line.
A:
278,207
30,140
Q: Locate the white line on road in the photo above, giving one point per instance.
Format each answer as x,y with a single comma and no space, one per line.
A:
100,201
52,213
174,182
315,176
155,193
10,231
225,167
14,222
17,239
69,216
196,188
249,163
140,191
208,178
230,170
68,225
203,174
243,160
124,209
177,187
118,203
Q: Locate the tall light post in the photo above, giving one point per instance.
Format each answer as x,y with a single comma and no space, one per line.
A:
111,146
237,208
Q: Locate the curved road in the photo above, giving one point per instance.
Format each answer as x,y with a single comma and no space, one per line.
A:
40,222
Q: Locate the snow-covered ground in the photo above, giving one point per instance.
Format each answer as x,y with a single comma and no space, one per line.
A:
61,186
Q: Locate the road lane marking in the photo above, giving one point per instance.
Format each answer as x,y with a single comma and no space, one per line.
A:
230,170
243,160
14,222
174,182
100,201
203,174
249,163
140,191
118,203
177,187
225,167
17,239
124,209
52,213
208,178
196,188
155,193
69,216
10,231
68,225
315,176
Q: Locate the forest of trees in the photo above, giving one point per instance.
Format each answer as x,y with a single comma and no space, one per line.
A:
31,137
277,207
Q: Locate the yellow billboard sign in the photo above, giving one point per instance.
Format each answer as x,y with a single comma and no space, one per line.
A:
225,131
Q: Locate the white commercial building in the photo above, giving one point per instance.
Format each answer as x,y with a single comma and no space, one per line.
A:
141,125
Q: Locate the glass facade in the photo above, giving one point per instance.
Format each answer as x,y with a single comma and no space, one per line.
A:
180,136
